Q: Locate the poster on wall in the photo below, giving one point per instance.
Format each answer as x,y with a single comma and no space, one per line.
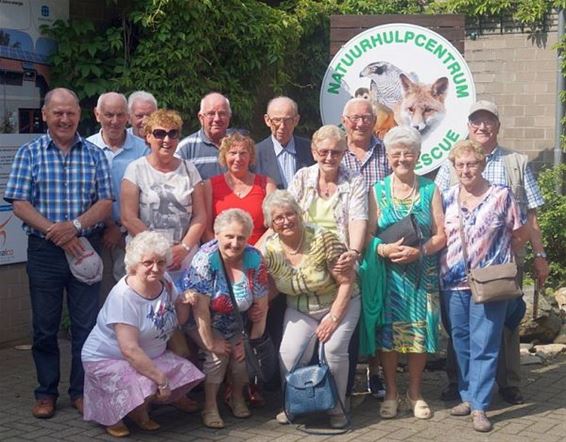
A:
413,77
13,240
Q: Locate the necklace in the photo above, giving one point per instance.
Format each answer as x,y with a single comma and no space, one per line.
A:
411,194
233,184
325,191
297,249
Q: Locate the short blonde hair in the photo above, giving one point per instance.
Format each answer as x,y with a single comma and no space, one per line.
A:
467,146
227,143
329,132
163,117
146,243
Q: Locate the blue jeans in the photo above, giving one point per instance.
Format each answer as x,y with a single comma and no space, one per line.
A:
49,275
476,331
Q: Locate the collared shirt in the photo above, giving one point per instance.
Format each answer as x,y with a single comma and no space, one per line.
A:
133,148
199,149
496,173
60,187
374,166
352,201
286,158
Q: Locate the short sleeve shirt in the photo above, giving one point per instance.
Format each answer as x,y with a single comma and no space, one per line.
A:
155,319
206,277
165,197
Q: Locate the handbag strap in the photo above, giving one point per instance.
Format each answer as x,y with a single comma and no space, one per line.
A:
237,313
461,231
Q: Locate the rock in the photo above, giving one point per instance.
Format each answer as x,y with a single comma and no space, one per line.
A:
531,359
545,327
561,338
549,351
560,297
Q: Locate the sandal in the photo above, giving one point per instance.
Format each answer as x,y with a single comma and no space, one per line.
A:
212,419
480,422
463,409
118,430
142,420
420,408
187,405
239,408
388,409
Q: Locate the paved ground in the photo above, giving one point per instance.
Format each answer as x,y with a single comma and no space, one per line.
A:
541,418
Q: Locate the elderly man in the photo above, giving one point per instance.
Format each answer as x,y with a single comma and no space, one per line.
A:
201,147
506,167
280,155
366,153
140,105
60,187
120,148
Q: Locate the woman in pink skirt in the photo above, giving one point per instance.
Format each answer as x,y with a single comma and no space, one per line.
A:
125,359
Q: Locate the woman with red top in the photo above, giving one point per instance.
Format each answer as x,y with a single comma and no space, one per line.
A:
238,188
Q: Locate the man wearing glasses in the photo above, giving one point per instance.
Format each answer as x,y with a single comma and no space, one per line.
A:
509,168
120,147
280,155
366,152
201,147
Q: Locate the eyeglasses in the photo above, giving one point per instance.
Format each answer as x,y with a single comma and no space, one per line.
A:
471,165
221,114
278,121
160,134
487,122
366,118
333,153
149,263
397,155
279,220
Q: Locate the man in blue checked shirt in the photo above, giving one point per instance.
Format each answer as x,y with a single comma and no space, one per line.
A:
60,187
508,168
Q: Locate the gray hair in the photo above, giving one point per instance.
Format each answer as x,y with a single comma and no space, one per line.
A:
279,198
405,136
356,100
140,96
283,99
146,243
329,132
106,95
229,216
210,94
49,95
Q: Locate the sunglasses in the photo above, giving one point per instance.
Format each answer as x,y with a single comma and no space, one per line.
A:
160,134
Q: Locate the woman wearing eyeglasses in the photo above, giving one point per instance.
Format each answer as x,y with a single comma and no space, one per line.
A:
486,216
163,193
125,359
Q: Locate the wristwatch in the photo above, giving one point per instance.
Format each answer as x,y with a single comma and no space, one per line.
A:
540,255
77,224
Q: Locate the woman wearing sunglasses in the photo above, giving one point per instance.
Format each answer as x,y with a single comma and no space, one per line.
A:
163,193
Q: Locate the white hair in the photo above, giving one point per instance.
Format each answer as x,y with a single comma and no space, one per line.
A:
107,95
283,99
140,96
352,101
279,198
227,217
210,94
146,243
330,132
405,136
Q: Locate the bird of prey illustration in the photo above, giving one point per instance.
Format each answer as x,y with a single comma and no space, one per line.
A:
385,86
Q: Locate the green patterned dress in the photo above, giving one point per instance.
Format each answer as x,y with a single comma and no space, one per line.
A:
411,301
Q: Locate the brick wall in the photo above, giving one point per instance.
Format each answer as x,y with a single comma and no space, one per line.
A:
519,74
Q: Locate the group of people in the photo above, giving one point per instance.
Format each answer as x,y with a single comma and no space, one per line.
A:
288,233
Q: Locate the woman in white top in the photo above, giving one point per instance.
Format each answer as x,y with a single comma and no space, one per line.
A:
163,193
125,359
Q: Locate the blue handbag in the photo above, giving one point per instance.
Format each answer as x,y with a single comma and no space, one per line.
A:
310,389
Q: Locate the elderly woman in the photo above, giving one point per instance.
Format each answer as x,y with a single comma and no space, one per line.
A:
238,188
321,301
163,193
226,261
491,225
400,289
125,359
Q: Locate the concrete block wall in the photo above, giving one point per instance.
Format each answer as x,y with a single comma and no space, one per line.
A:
519,74
15,308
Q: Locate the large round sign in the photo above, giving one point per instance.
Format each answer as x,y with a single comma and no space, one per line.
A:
413,76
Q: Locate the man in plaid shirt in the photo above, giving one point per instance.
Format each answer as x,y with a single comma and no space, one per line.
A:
483,127
60,187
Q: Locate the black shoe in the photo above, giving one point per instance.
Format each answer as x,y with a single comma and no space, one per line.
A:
512,395
450,393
